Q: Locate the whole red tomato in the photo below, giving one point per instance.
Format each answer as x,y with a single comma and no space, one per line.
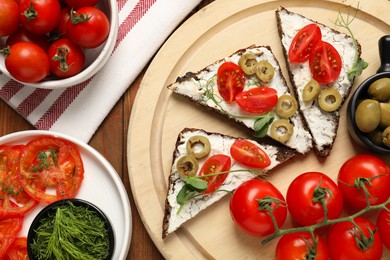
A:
88,27
66,58
63,23
77,4
245,207
346,241
383,223
299,246
27,62
305,193
373,172
9,17
23,35
39,16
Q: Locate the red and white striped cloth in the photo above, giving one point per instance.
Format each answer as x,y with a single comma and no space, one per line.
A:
79,110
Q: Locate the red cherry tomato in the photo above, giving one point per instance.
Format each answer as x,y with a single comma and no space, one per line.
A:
27,62
9,17
66,58
88,27
39,16
383,223
63,22
303,43
257,100
17,250
303,196
371,170
9,229
343,239
214,164
296,246
325,63
249,154
23,35
77,4
244,207
230,81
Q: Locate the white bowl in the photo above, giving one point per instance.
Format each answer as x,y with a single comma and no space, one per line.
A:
94,58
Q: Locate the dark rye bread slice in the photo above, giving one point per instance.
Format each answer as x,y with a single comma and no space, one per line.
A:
196,87
220,143
322,125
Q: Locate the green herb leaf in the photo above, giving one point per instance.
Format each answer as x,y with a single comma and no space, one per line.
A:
185,194
358,68
196,183
262,124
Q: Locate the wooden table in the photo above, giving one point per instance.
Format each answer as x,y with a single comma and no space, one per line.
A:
110,140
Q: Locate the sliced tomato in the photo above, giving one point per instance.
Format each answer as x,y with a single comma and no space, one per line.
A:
304,42
230,81
51,169
9,229
215,164
10,188
325,63
17,250
249,154
257,100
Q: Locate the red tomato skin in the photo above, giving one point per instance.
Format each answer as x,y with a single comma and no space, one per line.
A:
300,198
27,62
383,224
250,155
77,4
293,246
364,166
325,63
75,58
342,244
9,17
23,35
63,21
304,42
230,81
244,208
258,100
17,250
92,33
214,164
48,15
9,229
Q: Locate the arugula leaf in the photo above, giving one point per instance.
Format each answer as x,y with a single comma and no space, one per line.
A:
196,183
262,124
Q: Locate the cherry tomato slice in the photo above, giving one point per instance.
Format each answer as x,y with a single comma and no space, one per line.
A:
51,164
17,250
325,63
9,229
304,42
215,164
230,80
249,154
257,100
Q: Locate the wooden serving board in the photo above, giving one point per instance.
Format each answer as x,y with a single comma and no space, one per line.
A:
158,115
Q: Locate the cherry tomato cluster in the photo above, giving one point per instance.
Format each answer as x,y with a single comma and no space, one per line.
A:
313,199
48,37
324,60
28,175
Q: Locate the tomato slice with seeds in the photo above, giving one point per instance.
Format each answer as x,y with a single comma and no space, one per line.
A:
215,164
257,100
17,250
325,63
9,229
248,154
304,42
51,169
230,80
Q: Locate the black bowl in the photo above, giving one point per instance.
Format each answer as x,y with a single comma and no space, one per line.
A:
76,202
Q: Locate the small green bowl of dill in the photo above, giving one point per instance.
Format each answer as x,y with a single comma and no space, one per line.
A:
70,229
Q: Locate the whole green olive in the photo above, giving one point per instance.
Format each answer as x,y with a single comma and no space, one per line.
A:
282,130
187,165
248,63
380,89
385,115
375,137
329,99
311,90
368,115
198,146
386,137
265,71
286,106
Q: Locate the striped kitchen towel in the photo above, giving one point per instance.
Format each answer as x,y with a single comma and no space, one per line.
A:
79,110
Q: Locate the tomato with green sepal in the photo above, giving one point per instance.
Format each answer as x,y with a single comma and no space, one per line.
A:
304,42
257,100
230,81
248,154
215,169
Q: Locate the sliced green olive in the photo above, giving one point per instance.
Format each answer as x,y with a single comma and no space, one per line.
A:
248,63
282,130
265,71
375,137
198,146
368,115
386,137
286,106
329,99
187,165
311,90
380,89
385,115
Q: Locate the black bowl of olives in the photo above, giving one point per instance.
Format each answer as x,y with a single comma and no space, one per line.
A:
368,112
